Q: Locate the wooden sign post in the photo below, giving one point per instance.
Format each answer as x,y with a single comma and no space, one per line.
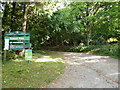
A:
16,40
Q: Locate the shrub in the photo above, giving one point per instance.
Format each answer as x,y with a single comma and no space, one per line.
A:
79,48
107,50
10,54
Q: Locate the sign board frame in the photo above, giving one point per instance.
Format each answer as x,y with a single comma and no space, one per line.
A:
18,38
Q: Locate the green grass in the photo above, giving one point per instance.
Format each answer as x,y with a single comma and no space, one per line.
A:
105,50
21,74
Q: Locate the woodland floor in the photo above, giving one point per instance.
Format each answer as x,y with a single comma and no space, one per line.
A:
87,71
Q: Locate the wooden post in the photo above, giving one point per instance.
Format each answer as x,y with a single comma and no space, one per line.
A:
4,55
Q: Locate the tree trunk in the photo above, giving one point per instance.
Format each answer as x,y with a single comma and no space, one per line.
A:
89,37
12,16
24,25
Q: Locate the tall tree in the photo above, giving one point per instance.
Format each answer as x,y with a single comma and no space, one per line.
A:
25,11
13,15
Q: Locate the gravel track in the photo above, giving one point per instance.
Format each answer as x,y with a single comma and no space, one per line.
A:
87,71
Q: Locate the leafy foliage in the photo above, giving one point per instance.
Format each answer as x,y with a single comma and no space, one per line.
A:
107,50
64,23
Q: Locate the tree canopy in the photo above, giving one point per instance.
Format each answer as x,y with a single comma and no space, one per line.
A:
63,23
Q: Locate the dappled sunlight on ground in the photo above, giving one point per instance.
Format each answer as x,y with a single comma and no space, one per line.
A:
43,59
93,57
71,54
95,61
113,74
47,59
46,56
78,59
40,58
18,60
80,63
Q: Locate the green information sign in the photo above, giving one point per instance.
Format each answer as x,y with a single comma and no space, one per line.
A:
28,54
18,38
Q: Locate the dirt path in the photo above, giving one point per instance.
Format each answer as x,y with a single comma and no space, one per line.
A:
87,71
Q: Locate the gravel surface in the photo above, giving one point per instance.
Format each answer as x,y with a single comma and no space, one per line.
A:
87,71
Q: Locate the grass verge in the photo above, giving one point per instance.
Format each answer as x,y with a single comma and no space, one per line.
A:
42,70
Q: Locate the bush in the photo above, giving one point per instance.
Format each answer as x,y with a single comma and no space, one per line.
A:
107,50
79,48
10,54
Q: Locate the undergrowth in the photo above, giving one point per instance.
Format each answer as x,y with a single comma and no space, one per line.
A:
107,50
